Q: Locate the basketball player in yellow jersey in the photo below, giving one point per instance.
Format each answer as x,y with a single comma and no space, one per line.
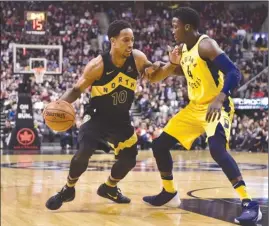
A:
210,110
112,77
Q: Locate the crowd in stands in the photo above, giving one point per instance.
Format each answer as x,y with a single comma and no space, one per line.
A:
250,132
76,27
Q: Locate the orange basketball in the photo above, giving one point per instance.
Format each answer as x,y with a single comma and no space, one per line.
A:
59,115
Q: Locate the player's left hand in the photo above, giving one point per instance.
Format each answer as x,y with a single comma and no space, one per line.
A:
175,54
214,109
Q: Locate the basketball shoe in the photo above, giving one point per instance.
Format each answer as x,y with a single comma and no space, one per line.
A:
65,195
112,193
164,198
251,213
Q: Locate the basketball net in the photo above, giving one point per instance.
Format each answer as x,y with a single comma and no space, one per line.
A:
39,74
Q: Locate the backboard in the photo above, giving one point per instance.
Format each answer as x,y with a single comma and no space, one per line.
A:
27,57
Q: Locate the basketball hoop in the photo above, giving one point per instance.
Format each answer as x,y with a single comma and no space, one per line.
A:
39,74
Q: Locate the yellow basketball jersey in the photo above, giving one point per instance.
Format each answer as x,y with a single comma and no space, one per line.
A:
204,81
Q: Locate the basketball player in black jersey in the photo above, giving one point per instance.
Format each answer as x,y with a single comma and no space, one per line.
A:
112,77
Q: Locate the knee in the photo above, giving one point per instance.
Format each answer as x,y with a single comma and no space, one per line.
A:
156,147
128,161
85,151
82,155
79,159
162,145
126,164
155,143
217,151
130,164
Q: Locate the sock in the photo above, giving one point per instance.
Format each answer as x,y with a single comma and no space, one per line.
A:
168,183
71,182
240,188
112,182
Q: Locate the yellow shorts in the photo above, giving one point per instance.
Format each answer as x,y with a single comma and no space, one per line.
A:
190,123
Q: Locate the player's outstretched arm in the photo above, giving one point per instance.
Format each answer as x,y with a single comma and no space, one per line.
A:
92,72
157,71
170,68
209,50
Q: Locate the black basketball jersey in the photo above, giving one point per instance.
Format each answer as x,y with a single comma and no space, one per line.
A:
112,95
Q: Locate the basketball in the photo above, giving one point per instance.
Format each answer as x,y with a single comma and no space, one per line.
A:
59,115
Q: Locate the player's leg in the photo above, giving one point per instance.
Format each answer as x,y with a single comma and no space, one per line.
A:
217,145
251,211
125,163
181,128
88,143
161,147
125,146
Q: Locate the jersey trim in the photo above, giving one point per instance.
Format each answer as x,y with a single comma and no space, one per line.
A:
120,80
214,72
125,144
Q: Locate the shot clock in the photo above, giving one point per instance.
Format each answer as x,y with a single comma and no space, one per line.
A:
35,22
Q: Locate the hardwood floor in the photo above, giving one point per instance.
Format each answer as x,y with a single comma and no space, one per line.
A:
27,181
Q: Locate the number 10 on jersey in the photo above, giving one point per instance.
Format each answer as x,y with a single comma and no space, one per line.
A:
119,97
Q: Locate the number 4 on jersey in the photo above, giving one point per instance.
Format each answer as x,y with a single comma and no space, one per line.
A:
189,72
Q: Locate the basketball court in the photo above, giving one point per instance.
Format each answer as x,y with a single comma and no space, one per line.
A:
207,197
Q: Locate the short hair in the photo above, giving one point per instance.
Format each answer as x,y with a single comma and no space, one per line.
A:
188,16
116,26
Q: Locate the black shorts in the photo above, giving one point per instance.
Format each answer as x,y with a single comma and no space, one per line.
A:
120,136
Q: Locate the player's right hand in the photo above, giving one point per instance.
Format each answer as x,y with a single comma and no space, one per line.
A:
151,69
